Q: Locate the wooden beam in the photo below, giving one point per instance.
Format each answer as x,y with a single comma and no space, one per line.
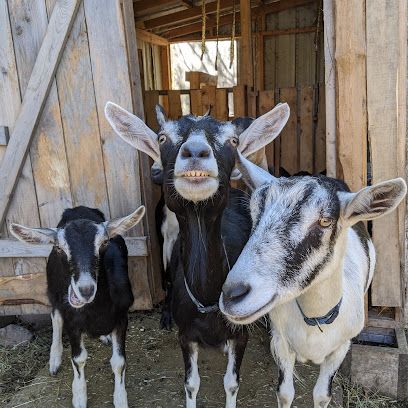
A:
34,99
186,3
10,248
227,19
4,135
186,15
144,5
247,68
151,38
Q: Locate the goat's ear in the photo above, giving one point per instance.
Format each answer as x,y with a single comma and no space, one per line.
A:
252,175
38,236
160,115
121,225
372,202
263,130
133,130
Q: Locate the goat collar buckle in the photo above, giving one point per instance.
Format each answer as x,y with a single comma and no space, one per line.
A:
326,319
200,307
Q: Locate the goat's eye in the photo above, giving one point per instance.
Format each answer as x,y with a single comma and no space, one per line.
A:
105,243
162,139
325,221
60,250
234,141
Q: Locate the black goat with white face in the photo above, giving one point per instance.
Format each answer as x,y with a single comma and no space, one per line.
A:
88,288
198,155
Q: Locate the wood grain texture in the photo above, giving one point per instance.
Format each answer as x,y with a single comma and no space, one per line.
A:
240,101
47,150
382,101
10,103
320,137
221,107
266,102
208,100
80,121
175,111
35,98
195,102
306,129
289,140
350,57
271,22
246,57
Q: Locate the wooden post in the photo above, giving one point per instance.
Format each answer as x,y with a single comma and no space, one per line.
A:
247,74
330,87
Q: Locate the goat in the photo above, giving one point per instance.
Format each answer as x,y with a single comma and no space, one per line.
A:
198,155
88,288
167,225
309,255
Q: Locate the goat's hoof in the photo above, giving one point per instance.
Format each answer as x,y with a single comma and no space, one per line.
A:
54,366
165,321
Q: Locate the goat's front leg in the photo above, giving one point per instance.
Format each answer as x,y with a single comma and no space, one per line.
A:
56,346
78,360
285,359
192,378
328,369
236,349
118,361
165,320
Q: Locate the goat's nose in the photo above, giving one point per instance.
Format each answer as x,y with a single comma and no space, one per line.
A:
236,293
195,151
87,291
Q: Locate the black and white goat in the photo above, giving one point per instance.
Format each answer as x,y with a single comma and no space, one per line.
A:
198,156
88,288
308,263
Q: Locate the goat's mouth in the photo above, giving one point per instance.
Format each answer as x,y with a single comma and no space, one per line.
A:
196,185
197,174
250,317
73,299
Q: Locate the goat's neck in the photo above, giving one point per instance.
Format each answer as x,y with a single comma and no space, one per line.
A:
321,297
203,255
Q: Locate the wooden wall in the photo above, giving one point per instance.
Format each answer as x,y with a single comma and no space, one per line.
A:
74,158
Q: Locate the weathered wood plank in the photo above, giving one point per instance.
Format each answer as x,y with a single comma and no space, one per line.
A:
151,100
35,98
382,81
47,150
271,22
80,121
195,102
240,101
247,69
137,246
306,129
289,145
151,38
320,138
10,103
221,107
266,102
175,111
208,98
350,57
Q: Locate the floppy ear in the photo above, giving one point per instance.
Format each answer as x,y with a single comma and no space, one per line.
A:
263,130
372,202
121,225
36,236
133,130
252,175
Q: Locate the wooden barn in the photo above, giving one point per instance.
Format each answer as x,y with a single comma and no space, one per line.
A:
341,67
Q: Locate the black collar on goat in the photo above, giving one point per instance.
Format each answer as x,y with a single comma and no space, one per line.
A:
197,155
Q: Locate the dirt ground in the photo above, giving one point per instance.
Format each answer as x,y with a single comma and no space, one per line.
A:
154,374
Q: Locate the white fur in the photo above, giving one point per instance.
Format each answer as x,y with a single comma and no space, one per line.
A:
118,367
231,384
170,230
79,396
193,378
56,346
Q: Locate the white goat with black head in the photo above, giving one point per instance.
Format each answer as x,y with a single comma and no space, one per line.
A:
198,155
88,288
308,263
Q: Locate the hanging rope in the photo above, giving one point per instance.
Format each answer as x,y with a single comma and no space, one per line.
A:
218,23
203,29
232,34
318,25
